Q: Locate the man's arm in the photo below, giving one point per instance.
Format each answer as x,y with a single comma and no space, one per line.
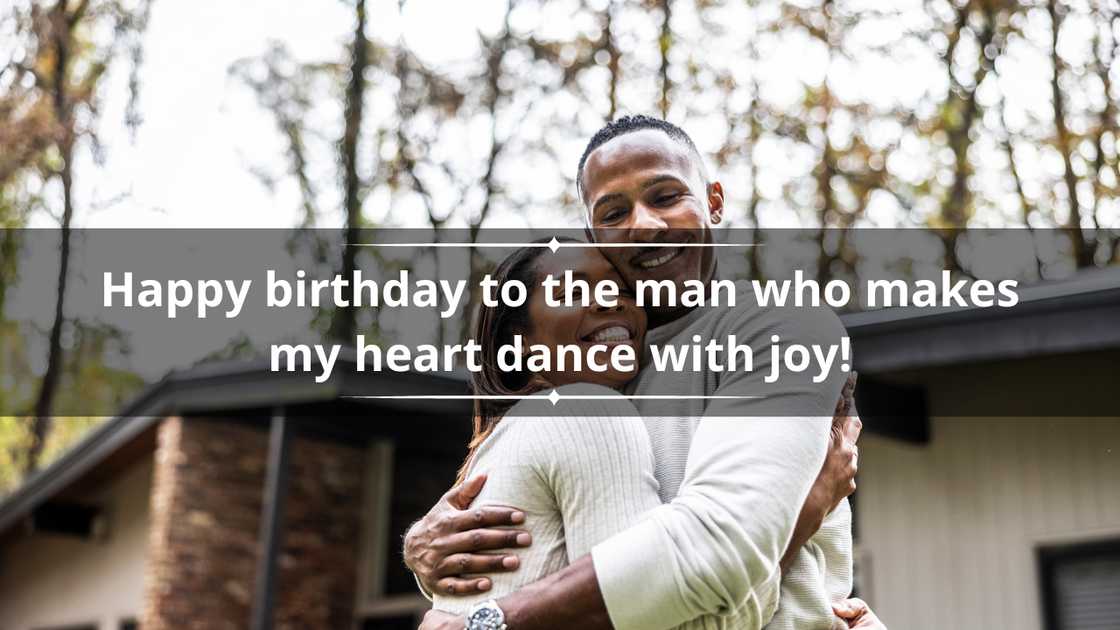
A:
443,546
754,457
565,599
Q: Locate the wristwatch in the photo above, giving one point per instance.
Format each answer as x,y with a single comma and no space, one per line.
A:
486,616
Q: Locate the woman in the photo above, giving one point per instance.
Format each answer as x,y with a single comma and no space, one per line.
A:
588,474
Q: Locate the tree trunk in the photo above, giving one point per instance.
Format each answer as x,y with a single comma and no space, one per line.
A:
1024,202
42,419
954,205
613,58
826,170
343,322
495,58
1104,54
665,42
1082,250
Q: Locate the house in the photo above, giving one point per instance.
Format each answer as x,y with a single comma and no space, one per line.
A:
1002,509
159,518
231,497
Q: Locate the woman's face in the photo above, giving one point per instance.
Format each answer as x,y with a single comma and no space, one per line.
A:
554,326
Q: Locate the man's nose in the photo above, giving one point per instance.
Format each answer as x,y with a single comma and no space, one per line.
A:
646,224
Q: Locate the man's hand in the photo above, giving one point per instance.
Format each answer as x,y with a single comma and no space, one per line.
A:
837,478
439,620
442,547
857,614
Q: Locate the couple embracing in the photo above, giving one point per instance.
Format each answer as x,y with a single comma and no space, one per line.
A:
715,508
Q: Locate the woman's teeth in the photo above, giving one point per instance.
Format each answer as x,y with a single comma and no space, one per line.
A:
660,260
613,333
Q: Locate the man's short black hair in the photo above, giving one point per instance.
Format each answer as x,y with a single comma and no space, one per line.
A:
630,124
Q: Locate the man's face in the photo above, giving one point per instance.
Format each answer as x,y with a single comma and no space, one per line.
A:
645,187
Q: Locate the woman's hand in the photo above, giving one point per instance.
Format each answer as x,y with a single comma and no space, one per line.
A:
837,479
857,614
442,547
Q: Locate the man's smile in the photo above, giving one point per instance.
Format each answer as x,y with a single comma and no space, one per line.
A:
656,257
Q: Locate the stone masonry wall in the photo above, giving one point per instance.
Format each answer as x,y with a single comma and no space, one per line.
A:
202,549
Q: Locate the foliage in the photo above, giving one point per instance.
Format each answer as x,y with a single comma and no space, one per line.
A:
91,386
50,97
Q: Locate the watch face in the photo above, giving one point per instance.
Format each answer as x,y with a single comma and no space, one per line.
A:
486,619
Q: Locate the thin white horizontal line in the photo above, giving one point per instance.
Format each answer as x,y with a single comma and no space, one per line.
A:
550,397
558,245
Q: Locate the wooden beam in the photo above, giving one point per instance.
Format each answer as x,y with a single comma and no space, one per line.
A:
271,536
893,410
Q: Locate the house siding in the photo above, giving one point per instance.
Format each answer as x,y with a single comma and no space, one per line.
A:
52,580
949,530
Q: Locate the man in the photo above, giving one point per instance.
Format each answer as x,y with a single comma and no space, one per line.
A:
745,480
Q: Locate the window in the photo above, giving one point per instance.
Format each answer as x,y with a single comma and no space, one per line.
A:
376,503
377,606
1081,585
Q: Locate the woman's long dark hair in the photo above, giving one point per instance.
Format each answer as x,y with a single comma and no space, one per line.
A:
494,327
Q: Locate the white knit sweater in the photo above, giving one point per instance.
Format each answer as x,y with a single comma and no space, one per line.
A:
582,477
686,504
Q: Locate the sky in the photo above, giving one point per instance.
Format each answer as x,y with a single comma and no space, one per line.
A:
189,164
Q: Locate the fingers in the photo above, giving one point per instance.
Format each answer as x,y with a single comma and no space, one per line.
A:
869,621
850,384
853,467
484,540
853,426
461,496
850,609
490,516
466,563
462,586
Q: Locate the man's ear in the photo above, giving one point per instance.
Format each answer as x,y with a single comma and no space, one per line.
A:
715,202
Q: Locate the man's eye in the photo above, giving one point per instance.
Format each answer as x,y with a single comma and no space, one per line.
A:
667,198
611,216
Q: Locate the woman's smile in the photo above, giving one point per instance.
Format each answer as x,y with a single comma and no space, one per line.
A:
610,332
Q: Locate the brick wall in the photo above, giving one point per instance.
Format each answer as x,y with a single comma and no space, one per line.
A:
206,501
